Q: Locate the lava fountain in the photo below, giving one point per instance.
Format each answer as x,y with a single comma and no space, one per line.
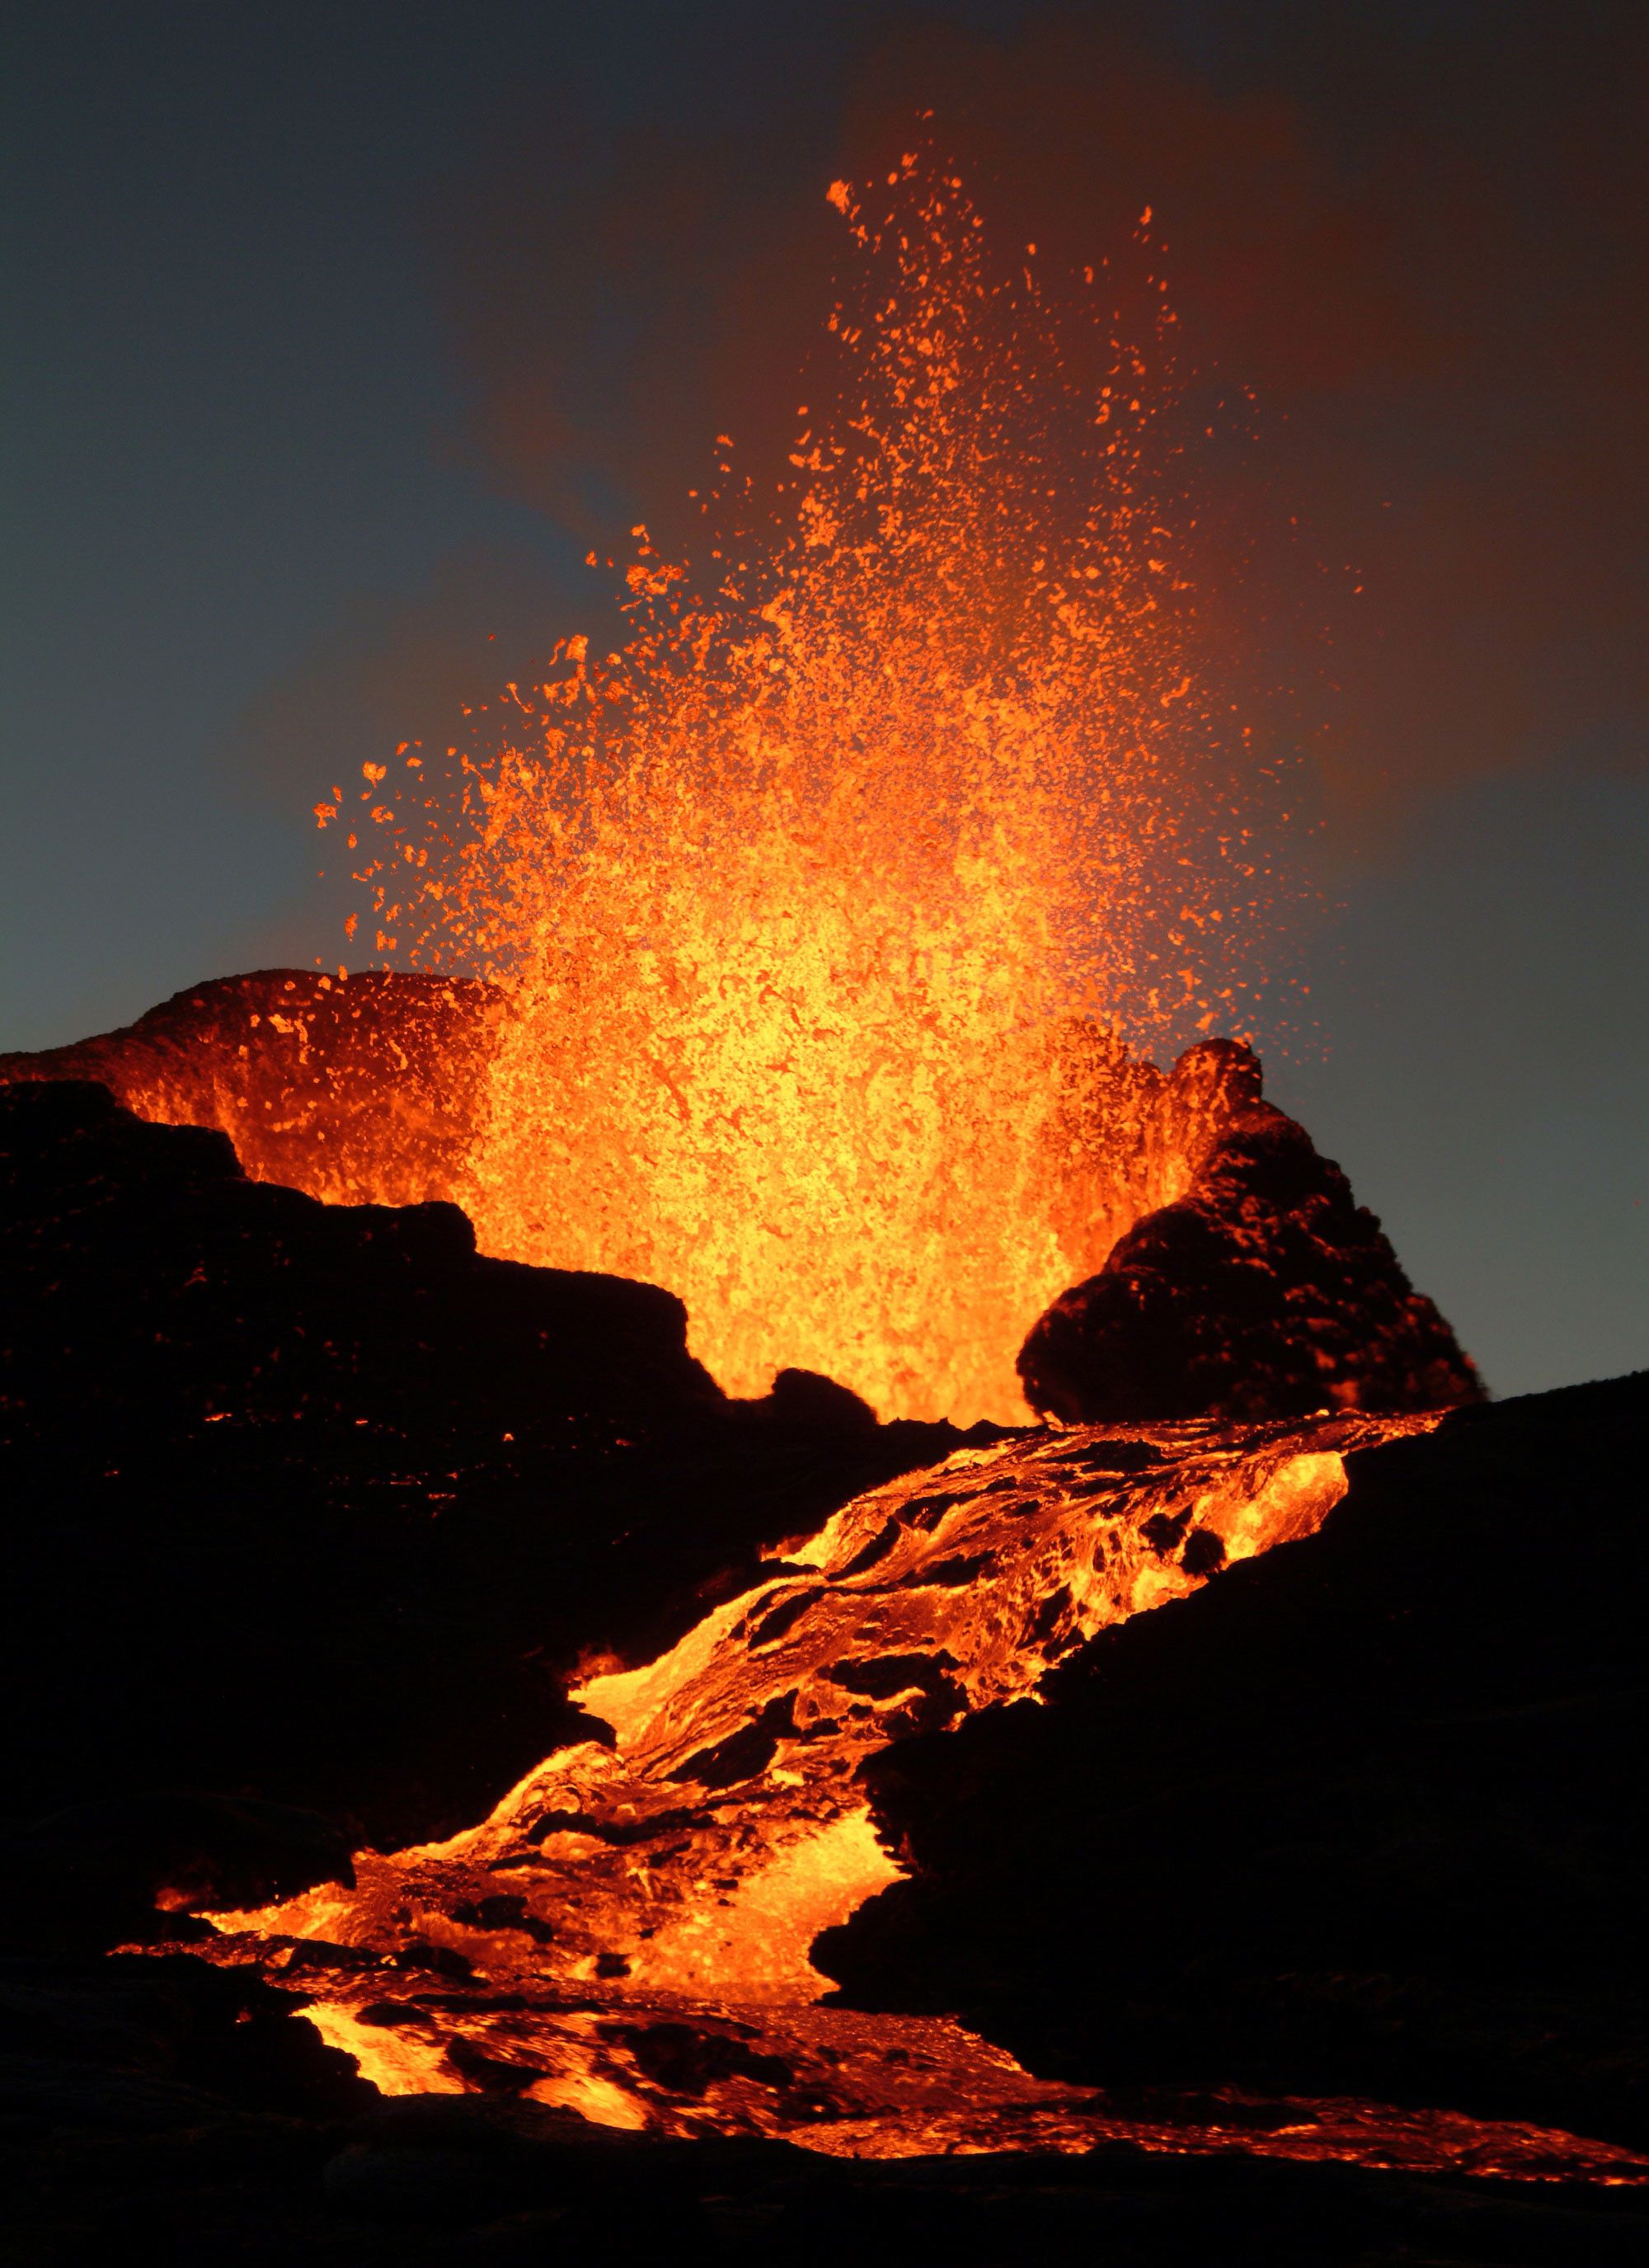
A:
816,901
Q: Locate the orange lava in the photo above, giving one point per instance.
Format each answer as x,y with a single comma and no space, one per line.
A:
627,1935
938,1594
813,901
824,920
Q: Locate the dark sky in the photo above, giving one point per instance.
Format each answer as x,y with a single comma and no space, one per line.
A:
335,333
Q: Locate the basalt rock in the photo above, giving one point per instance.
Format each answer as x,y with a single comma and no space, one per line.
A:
1363,1816
128,1867
1265,1292
147,1282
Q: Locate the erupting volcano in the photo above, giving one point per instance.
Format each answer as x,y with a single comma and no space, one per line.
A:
803,955
822,919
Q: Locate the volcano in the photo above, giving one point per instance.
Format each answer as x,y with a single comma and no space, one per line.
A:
743,1556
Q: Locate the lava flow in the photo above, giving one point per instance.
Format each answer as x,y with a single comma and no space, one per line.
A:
627,1935
812,921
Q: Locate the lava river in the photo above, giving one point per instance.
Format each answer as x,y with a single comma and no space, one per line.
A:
627,1935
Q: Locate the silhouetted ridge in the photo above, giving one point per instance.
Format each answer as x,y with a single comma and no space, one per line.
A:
310,1503
357,1087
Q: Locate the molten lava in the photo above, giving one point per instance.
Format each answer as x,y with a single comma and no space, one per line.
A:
935,1596
812,920
828,918
627,1935
818,904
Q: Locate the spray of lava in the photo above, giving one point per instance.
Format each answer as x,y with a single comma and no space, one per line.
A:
804,897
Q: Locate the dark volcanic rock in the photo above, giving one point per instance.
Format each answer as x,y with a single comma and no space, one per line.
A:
1365,1815
1265,1292
146,1282
310,1504
149,2042
96,1872
802,1397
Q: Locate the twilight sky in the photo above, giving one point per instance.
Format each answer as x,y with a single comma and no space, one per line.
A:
337,333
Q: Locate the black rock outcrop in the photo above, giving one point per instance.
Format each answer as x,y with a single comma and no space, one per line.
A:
1265,1292
146,1281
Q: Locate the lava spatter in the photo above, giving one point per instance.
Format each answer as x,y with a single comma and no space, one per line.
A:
801,897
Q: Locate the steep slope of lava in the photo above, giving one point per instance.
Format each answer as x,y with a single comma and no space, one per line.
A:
726,1828
629,1934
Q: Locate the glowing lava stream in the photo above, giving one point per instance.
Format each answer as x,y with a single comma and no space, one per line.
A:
708,1848
627,1935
